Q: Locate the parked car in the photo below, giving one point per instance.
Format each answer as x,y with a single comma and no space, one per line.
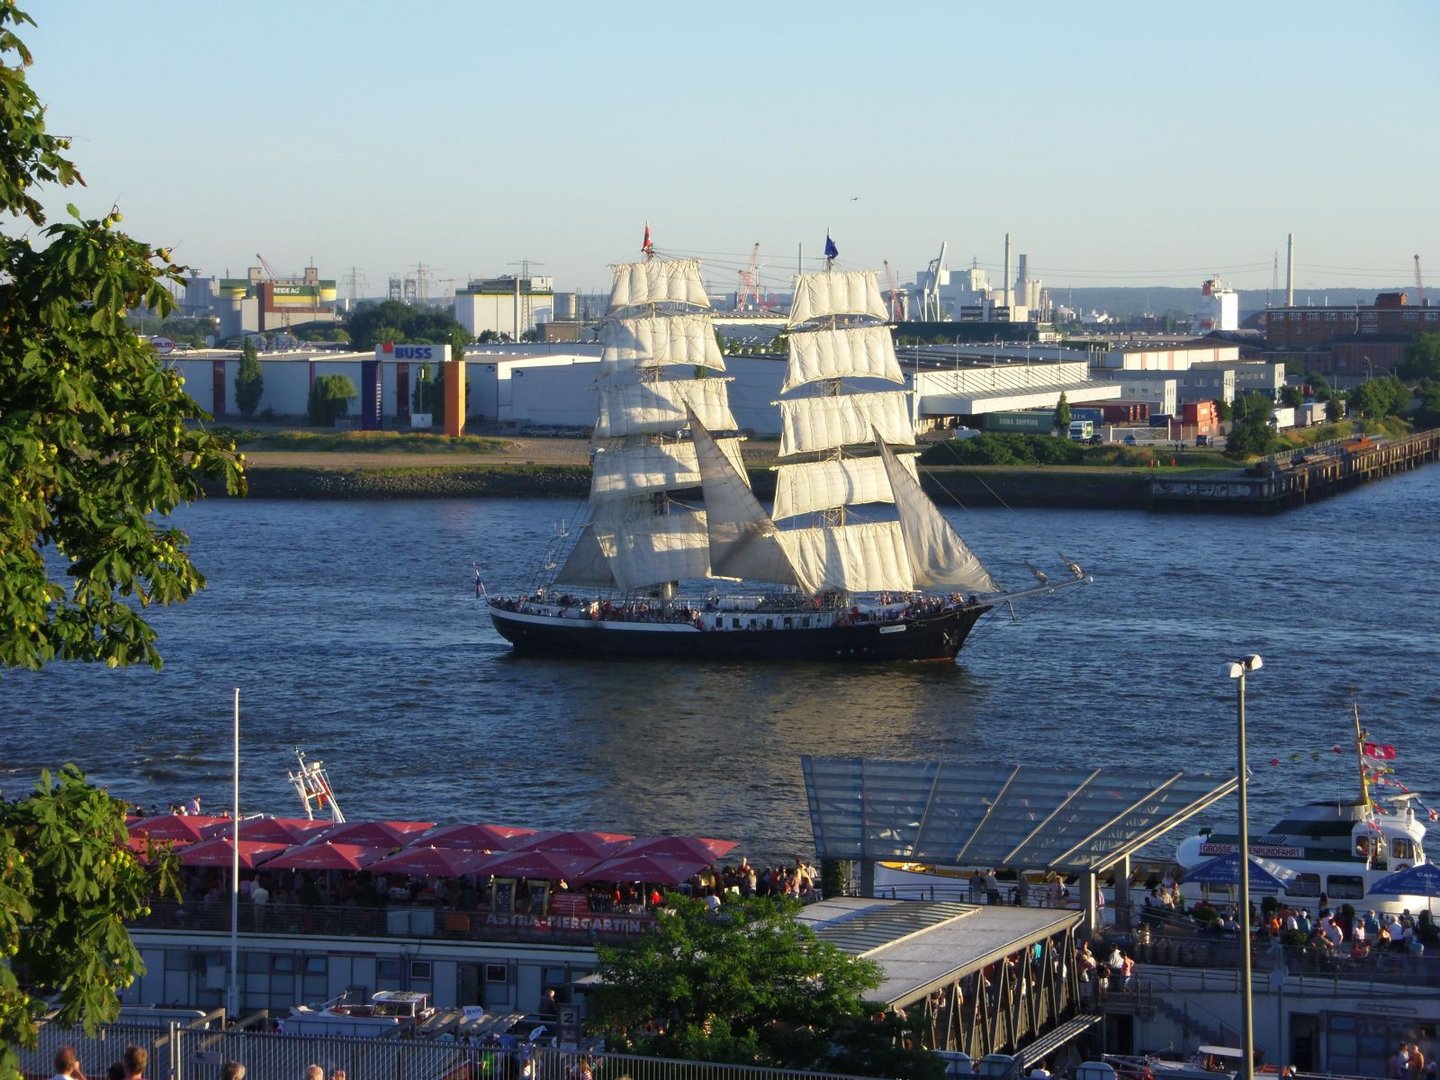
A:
1129,440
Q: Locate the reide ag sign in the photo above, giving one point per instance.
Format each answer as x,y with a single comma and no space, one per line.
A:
421,354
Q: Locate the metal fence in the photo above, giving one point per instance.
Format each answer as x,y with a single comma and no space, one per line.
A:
180,1052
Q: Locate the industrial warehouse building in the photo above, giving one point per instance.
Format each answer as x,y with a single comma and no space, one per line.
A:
550,387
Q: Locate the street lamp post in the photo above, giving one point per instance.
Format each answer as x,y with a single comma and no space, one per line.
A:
1237,670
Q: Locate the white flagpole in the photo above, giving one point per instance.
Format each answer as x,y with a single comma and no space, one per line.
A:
233,1003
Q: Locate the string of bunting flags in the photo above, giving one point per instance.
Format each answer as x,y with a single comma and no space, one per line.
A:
1375,772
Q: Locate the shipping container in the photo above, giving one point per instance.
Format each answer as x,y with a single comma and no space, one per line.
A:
1198,412
1030,421
1160,420
1126,412
1094,415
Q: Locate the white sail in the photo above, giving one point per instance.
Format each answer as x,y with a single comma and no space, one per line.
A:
837,292
660,339
651,549
658,281
743,541
823,485
866,352
587,564
635,408
638,470
938,556
855,558
823,423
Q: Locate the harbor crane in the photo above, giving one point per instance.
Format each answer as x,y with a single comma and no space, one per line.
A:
1419,284
267,269
895,299
749,281
930,310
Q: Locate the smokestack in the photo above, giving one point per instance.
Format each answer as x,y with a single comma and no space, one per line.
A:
1289,269
1022,283
1006,278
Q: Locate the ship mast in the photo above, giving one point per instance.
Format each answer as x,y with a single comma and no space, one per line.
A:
1360,760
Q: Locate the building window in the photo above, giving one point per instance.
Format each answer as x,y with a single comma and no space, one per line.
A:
497,973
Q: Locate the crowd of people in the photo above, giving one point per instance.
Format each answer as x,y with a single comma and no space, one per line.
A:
272,899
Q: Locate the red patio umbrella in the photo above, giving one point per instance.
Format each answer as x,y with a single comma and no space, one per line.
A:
326,856
545,865
432,862
375,834
651,869
275,830
141,846
177,828
217,851
476,837
682,847
598,845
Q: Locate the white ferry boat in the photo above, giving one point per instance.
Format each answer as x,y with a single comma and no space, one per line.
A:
1339,849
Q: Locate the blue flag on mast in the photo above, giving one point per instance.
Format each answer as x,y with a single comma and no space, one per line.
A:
831,251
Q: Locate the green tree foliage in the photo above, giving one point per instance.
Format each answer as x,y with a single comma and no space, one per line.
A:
390,320
1422,359
1375,399
68,883
97,440
429,393
749,984
249,382
1004,449
1224,411
330,398
1427,413
1292,396
1062,413
1251,434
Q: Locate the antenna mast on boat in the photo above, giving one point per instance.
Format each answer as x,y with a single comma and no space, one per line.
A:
313,786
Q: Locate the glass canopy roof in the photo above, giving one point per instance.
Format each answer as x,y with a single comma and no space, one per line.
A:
1027,817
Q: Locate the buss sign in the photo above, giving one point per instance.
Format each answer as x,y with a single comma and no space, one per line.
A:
424,354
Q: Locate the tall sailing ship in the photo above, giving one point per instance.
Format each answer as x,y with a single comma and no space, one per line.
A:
853,563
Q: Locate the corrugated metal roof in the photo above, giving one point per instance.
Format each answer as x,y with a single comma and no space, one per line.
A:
879,928
1024,816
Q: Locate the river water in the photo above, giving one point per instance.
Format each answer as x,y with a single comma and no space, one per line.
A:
353,632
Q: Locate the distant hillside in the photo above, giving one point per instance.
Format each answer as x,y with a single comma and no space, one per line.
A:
1160,300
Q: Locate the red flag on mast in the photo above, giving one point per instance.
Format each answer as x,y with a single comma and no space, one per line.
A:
645,247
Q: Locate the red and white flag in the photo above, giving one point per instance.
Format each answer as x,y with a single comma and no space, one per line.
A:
1380,751
646,247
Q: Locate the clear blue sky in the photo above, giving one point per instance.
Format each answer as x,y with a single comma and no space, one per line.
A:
1124,143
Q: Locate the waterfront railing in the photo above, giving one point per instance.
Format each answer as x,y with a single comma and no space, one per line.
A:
186,1052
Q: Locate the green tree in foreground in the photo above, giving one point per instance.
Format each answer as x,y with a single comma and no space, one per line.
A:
749,984
1062,414
1422,359
97,440
249,381
330,398
68,883
1377,398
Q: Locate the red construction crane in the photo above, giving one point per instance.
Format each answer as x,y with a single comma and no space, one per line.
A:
749,281
894,297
